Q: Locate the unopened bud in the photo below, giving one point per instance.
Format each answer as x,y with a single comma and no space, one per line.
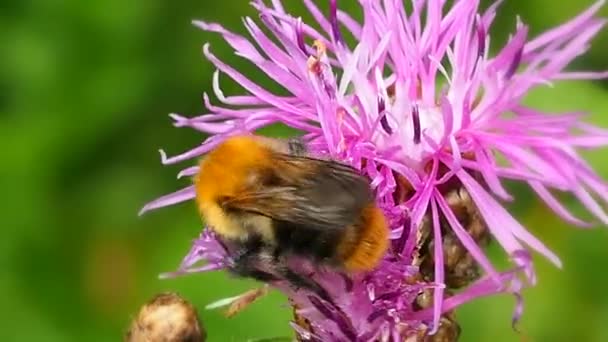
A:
166,318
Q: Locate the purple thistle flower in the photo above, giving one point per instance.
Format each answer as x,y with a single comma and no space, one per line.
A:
376,106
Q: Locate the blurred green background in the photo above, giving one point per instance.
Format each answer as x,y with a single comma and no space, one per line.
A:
85,89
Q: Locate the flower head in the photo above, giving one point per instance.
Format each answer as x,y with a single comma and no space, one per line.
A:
420,106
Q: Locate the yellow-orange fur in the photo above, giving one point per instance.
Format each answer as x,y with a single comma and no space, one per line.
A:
366,249
223,173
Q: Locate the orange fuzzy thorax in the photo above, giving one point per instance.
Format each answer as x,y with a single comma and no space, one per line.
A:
372,242
223,173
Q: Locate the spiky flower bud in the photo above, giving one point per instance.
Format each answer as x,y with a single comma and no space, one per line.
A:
166,318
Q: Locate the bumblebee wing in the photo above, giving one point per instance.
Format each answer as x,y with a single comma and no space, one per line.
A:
318,194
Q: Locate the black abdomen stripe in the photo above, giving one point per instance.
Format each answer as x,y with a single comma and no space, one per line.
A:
305,241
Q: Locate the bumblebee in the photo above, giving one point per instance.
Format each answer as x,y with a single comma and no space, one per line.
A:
269,200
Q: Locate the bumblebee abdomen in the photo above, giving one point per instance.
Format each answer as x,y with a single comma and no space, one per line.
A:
306,241
355,248
368,241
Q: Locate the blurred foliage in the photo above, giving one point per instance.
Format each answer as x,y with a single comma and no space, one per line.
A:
85,87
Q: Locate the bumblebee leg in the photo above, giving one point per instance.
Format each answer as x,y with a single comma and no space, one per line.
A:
251,272
261,262
246,265
281,268
247,260
302,282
